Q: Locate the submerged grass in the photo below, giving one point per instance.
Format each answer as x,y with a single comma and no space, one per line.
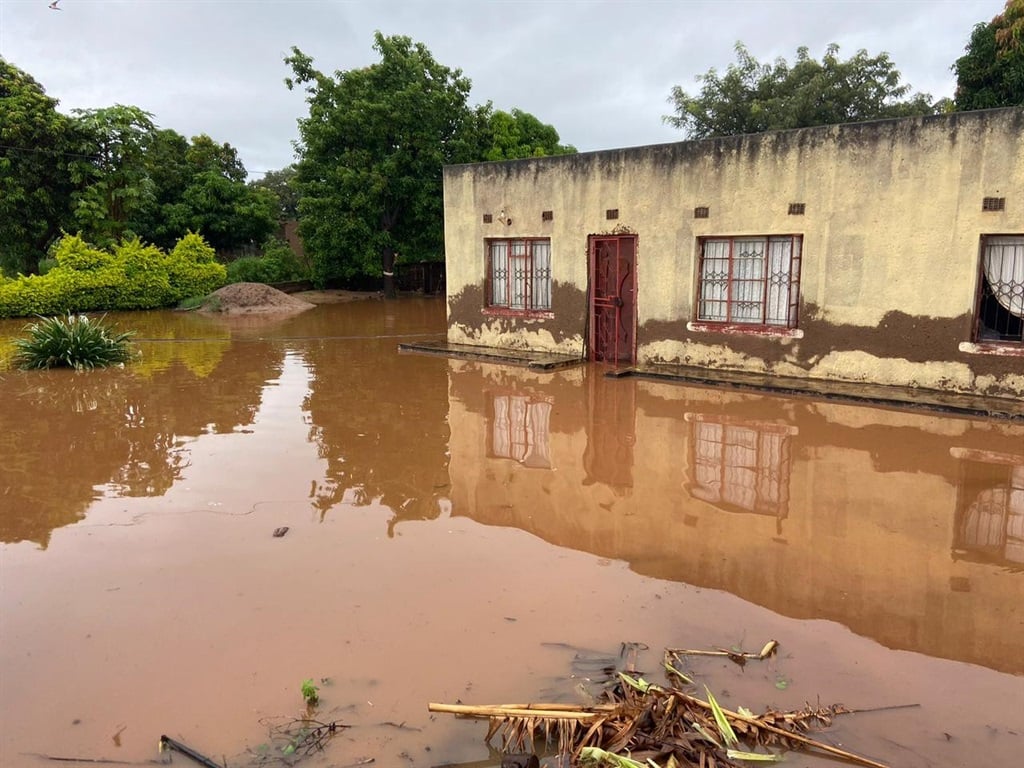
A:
74,341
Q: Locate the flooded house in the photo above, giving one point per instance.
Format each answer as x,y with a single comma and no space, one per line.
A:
888,252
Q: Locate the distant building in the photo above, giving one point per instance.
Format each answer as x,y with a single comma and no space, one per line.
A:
888,252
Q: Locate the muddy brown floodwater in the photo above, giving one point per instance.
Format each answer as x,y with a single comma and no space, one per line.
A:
458,530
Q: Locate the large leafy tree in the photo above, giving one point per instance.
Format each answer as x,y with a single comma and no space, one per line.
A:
35,181
371,152
991,71
517,134
752,96
115,186
200,187
228,213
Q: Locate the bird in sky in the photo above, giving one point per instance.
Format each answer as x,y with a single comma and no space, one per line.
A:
55,7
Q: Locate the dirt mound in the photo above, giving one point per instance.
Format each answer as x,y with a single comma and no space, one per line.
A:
253,299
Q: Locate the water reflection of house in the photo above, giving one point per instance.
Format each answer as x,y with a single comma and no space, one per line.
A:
740,466
990,507
519,429
693,485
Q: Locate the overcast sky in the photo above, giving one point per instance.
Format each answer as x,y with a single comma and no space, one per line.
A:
600,71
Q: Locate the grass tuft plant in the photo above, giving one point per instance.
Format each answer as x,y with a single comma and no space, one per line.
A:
74,341
310,692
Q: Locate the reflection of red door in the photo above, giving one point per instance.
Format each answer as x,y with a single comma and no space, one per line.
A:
613,298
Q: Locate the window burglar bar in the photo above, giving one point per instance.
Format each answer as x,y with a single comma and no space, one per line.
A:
1001,303
519,274
750,280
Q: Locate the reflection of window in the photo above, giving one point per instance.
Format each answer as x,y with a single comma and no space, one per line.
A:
990,507
740,466
1001,302
519,430
749,280
519,274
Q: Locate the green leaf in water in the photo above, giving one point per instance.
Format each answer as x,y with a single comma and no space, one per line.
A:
782,683
598,756
757,757
639,683
673,671
724,728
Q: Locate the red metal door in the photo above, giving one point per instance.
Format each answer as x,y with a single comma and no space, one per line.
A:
613,298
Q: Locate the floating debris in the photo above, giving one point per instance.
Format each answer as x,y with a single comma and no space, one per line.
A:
639,724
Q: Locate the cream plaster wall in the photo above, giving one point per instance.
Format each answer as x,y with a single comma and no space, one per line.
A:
893,224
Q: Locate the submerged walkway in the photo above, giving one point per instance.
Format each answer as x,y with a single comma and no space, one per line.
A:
827,389
541,361
875,394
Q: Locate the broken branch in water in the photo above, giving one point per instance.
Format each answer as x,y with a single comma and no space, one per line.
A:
169,744
94,760
738,657
297,738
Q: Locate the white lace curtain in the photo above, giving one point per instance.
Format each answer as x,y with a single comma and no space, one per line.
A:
1004,270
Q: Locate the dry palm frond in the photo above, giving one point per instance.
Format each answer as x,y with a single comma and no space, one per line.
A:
658,726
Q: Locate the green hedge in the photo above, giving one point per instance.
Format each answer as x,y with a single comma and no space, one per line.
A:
131,276
278,264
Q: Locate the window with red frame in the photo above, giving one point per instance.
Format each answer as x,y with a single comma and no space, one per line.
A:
750,280
519,274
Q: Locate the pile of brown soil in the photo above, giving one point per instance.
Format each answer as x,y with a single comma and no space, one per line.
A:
252,299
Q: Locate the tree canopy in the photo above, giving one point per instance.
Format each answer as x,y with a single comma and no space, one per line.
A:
283,184
110,173
200,187
35,180
516,134
991,71
371,153
752,96
114,185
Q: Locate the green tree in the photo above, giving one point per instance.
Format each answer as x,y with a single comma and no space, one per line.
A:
227,213
991,72
283,184
199,186
371,153
752,97
204,154
116,188
35,182
170,174
516,134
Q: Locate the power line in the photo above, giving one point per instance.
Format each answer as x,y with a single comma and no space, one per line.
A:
60,153
39,151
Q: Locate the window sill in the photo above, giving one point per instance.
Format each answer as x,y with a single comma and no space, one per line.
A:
1006,348
746,330
529,314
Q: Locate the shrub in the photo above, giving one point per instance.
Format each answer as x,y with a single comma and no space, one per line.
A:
278,264
72,252
132,276
74,341
146,280
192,268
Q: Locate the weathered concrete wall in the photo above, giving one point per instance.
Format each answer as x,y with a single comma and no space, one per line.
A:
891,236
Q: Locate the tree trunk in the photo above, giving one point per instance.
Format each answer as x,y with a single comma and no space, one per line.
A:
387,261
